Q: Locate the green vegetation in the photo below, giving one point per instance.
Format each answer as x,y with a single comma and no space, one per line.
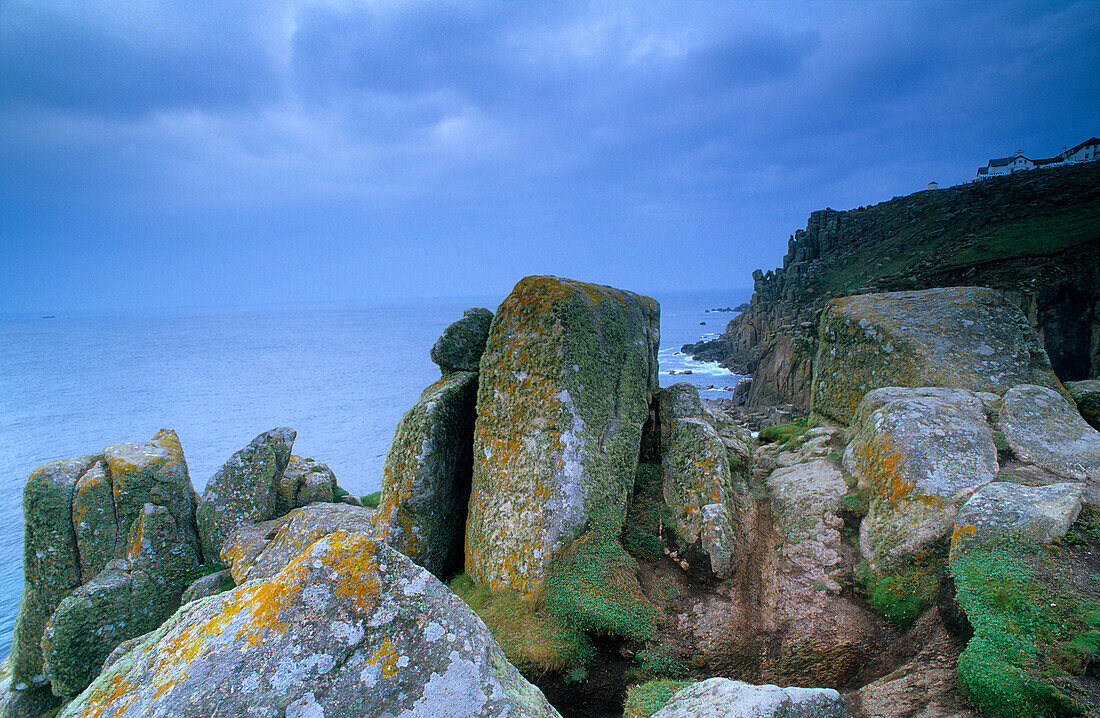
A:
1046,234
644,700
855,504
641,530
339,493
1087,527
1027,633
782,434
203,570
657,662
902,593
372,500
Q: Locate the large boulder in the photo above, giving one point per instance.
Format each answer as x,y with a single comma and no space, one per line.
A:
426,478
244,490
563,395
349,628
954,337
705,503
1087,395
304,482
462,343
1043,427
723,698
920,453
1024,514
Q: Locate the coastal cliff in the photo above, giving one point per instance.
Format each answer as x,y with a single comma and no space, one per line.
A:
1034,237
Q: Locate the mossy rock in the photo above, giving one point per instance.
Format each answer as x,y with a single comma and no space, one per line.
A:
954,337
1087,395
463,342
562,398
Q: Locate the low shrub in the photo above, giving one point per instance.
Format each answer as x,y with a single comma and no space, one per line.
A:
642,701
901,594
372,500
782,434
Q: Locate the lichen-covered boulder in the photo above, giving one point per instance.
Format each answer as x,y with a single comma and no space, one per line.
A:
244,490
805,509
209,585
128,598
1087,395
1042,427
704,501
1024,514
920,454
462,343
94,521
562,398
723,698
955,337
262,550
349,628
304,482
426,478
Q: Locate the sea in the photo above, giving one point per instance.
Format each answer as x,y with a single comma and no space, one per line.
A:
72,383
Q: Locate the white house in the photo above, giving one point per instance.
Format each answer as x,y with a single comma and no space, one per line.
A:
1087,151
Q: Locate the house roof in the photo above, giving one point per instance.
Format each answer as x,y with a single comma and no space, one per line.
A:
1086,143
983,170
1002,161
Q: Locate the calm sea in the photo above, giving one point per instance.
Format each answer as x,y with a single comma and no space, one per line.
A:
71,384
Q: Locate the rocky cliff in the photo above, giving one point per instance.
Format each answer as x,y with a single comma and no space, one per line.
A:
1034,237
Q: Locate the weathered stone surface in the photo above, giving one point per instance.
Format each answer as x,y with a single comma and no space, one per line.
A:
426,478
128,598
1087,395
805,508
562,399
723,698
921,456
262,550
1042,427
349,628
1026,514
704,503
462,343
955,337
50,560
303,482
94,521
209,585
244,490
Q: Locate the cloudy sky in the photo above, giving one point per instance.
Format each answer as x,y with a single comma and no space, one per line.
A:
205,153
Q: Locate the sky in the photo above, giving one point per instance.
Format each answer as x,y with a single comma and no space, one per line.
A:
175,155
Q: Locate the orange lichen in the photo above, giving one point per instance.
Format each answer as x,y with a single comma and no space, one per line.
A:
385,656
961,531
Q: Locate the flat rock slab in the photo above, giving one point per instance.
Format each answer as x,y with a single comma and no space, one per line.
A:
562,398
1042,427
1026,514
350,628
921,454
954,337
805,505
723,698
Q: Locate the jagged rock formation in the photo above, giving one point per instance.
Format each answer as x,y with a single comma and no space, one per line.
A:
563,395
1032,237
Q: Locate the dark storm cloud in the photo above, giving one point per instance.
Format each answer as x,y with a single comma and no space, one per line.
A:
443,147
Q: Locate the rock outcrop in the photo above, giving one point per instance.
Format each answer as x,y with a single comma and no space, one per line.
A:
723,698
563,395
1043,427
955,337
1014,512
1087,395
349,628
426,478
463,342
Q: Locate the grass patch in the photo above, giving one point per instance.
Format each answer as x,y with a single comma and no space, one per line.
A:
642,529
1046,234
782,434
1026,633
657,662
901,594
372,500
642,701
1085,529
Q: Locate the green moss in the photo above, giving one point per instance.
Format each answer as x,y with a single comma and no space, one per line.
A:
855,504
657,662
642,701
338,494
1086,528
1027,633
642,529
203,570
372,500
782,434
902,593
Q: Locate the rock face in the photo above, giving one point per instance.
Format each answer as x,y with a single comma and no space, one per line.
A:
1024,514
956,337
462,343
82,518
699,490
723,698
245,489
921,453
384,638
303,482
1087,395
426,478
562,399
1042,427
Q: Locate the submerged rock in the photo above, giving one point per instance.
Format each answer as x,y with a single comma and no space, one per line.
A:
349,628
955,337
563,395
1042,427
463,342
426,478
723,698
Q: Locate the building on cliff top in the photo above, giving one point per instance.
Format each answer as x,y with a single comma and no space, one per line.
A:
1087,151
